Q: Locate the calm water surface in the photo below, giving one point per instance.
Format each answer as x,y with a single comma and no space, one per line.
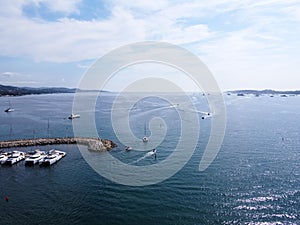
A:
255,178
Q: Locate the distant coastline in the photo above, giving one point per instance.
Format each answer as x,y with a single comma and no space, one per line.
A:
19,91
263,92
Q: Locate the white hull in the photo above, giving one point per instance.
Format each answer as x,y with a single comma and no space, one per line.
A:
52,157
15,158
9,110
49,162
3,159
74,116
145,139
34,159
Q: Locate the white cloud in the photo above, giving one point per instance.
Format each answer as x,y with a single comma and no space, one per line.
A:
15,7
73,40
67,39
66,6
235,38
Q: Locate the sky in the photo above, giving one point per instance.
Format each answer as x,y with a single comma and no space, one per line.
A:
245,44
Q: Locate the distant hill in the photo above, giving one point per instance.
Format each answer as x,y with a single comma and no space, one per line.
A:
264,92
18,91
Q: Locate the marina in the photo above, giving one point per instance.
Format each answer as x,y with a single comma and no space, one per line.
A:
47,159
31,158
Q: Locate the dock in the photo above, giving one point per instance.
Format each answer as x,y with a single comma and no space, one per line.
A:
93,144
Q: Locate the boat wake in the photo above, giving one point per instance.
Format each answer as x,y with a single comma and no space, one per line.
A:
148,154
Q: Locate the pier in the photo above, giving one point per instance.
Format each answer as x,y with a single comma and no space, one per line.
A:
93,144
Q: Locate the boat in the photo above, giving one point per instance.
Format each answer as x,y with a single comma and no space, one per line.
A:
145,138
52,157
15,157
3,157
9,109
153,151
35,157
128,148
205,115
73,116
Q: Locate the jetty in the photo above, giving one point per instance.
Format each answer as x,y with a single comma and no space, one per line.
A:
93,144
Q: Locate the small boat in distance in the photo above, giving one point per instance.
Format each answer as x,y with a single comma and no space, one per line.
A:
145,138
73,116
128,148
9,109
15,157
52,157
205,115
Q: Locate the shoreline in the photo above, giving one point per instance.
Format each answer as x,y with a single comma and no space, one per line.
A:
93,144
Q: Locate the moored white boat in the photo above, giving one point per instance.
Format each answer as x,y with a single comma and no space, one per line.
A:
52,157
15,157
35,158
3,157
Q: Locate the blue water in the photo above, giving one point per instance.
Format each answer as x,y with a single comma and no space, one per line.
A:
255,178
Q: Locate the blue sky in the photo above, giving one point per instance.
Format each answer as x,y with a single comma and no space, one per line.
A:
245,44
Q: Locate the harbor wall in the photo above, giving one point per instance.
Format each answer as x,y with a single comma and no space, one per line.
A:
94,144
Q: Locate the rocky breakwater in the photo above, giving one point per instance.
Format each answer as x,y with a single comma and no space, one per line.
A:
94,144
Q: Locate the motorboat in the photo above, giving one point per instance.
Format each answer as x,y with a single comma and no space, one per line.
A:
35,158
52,157
205,115
73,116
61,153
9,109
145,139
128,148
3,157
15,157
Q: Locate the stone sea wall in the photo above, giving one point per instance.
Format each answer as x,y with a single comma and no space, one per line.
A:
94,144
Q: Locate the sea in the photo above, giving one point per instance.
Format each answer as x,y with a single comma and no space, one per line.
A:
254,179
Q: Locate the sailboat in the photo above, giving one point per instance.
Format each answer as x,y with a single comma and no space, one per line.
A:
145,138
9,109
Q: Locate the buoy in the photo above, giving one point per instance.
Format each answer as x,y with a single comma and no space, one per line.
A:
6,198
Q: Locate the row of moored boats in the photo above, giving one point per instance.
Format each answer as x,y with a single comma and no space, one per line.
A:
32,158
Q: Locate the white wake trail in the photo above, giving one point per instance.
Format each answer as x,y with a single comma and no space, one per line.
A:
148,154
